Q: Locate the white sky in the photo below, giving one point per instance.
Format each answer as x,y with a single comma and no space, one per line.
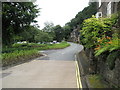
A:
59,11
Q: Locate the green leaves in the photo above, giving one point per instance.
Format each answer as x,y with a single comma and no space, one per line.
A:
95,28
16,16
17,56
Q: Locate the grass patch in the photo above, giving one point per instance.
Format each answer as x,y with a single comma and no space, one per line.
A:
54,46
18,56
96,81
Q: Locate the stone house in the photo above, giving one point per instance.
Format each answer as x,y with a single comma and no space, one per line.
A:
74,36
106,8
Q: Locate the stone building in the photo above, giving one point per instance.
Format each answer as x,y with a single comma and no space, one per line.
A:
74,36
106,8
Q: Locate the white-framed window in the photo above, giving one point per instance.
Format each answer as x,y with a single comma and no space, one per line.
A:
109,9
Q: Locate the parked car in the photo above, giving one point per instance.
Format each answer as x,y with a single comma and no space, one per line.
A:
54,42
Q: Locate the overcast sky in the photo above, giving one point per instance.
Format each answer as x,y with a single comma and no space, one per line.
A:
59,11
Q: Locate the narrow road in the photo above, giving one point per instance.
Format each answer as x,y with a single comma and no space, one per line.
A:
57,69
62,54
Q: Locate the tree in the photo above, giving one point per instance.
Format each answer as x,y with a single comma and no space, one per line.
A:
67,31
87,12
15,17
48,27
29,33
43,37
59,33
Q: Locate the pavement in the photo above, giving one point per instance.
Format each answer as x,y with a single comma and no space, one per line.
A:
57,69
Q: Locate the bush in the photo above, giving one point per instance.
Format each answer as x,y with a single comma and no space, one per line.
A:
108,46
95,29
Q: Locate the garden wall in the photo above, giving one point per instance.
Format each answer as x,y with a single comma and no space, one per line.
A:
99,66
111,76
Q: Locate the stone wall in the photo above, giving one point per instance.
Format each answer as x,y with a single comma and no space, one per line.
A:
111,76
99,66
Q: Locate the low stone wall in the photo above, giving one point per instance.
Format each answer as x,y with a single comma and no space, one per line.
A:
111,76
83,67
99,66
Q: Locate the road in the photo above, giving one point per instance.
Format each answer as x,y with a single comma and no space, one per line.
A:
62,54
57,69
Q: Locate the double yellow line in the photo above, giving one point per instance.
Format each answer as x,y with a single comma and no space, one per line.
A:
79,84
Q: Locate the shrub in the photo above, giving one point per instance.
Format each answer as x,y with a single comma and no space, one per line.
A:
96,28
17,56
108,46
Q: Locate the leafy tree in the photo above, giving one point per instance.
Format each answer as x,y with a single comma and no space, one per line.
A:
43,37
16,16
48,27
67,31
87,12
29,33
59,33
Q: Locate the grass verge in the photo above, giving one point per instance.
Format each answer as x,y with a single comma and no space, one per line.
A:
54,46
9,59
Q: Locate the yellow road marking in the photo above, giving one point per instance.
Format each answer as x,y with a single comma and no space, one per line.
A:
79,84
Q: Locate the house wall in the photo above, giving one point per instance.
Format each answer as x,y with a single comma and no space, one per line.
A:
103,8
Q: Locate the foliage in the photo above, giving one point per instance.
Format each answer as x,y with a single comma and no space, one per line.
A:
29,33
93,29
111,45
99,34
17,56
67,31
54,46
16,16
59,33
96,28
87,12
43,37
59,46
48,27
